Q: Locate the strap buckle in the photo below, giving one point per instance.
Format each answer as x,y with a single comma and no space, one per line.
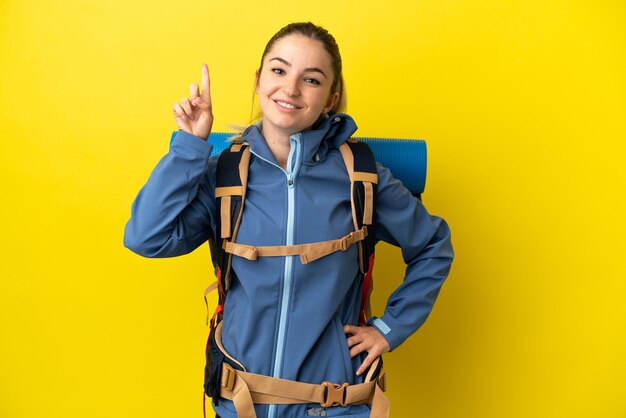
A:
352,238
346,241
228,377
335,394
343,244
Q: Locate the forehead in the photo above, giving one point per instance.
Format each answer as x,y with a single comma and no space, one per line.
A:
300,50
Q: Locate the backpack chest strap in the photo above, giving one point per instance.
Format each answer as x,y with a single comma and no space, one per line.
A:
307,252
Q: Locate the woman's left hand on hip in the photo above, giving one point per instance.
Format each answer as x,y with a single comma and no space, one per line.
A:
366,338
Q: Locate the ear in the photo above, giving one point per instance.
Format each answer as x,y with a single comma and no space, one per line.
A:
332,101
256,81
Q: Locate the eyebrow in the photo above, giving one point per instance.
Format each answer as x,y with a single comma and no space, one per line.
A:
312,69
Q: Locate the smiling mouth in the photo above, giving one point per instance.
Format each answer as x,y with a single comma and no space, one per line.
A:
286,105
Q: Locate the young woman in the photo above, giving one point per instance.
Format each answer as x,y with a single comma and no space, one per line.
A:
284,318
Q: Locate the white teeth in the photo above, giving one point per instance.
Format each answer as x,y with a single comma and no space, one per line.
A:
287,105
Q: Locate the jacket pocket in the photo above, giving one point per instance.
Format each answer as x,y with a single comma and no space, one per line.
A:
345,351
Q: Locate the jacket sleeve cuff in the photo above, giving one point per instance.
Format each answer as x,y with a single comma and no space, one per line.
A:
385,330
186,140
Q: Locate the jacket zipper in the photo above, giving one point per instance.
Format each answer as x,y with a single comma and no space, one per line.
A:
291,173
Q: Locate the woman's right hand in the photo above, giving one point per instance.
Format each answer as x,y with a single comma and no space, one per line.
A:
194,115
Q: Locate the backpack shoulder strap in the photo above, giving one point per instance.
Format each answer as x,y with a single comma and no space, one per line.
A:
361,167
230,192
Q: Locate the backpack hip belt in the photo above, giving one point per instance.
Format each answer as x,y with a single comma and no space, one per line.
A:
245,389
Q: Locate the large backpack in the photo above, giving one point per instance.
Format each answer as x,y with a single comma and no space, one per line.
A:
230,193
230,190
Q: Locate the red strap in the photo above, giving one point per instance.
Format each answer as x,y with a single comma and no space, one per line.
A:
219,309
220,288
367,284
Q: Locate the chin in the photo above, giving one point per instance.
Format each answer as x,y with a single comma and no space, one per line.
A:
292,128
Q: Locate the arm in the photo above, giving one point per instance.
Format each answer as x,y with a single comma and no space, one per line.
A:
402,220
424,239
174,212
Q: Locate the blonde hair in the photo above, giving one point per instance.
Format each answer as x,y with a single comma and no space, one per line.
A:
315,32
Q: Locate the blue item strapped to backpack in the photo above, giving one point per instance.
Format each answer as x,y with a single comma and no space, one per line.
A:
405,158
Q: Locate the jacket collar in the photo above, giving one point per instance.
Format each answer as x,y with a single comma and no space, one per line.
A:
328,132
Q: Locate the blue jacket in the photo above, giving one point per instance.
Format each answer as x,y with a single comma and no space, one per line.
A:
282,318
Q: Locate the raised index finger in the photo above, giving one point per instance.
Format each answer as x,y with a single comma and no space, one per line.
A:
206,90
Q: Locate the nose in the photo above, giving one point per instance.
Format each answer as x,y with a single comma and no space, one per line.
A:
291,87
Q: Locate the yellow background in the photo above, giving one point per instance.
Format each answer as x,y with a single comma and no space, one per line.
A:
523,107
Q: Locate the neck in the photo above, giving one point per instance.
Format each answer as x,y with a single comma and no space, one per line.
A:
278,143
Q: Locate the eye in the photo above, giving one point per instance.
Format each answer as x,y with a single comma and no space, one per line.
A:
312,81
278,71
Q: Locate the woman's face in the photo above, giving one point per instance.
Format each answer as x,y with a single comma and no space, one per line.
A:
294,85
